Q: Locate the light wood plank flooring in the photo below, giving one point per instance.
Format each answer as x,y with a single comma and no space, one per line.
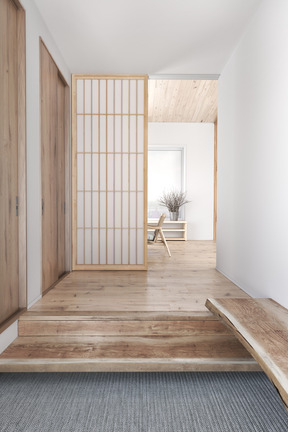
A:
133,321
180,283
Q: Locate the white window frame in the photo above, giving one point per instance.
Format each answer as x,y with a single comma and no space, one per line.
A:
175,147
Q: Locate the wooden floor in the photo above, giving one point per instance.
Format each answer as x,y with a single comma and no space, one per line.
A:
154,320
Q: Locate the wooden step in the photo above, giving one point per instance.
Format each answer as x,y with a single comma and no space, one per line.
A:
120,325
129,353
124,341
129,365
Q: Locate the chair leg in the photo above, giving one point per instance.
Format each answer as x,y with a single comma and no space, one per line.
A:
164,241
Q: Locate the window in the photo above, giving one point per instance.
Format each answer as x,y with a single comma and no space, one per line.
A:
165,172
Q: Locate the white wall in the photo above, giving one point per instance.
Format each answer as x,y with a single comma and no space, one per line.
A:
198,142
252,232
35,27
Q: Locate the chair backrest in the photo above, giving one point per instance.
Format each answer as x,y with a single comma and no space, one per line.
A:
159,225
161,220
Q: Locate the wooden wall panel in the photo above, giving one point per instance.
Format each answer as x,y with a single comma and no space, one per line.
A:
109,173
12,162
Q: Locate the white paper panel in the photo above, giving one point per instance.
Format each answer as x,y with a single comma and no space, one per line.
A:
110,133
95,172
95,209
103,185
125,246
88,250
103,246
110,209
140,256
95,100
140,172
125,172
110,172
95,130
112,219
118,210
132,248
133,176
88,214
133,134
80,120
87,135
132,209
102,96
118,162
133,97
87,100
80,171
95,247
87,168
80,209
125,94
103,144
125,134
110,246
80,246
140,134
140,205
102,205
110,96
118,248
118,97
125,209
140,97
118,133
80,98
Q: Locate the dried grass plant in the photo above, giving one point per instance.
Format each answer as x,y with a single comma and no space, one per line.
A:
173,200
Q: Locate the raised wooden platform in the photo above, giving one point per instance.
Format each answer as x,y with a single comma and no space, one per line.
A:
261,325
133,321
175,341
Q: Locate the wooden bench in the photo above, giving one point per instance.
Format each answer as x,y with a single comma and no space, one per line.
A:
261,325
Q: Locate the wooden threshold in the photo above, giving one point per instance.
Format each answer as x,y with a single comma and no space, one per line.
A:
261,325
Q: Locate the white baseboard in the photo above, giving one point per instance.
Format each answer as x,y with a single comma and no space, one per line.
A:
34,301
8,336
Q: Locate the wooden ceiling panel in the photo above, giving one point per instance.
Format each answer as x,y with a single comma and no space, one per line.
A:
191,101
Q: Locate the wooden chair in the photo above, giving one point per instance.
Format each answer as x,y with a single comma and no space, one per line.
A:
159,232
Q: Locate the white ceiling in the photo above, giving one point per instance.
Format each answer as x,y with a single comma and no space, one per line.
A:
146,36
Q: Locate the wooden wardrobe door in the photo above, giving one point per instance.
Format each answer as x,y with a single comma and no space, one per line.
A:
9,253
53,137
49,138
61,176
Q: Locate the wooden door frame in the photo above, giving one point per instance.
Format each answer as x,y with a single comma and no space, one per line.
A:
215,181
68,216
22,189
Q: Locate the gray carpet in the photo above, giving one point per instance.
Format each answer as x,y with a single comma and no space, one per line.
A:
135,402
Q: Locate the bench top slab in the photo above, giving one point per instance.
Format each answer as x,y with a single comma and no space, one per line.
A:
261,325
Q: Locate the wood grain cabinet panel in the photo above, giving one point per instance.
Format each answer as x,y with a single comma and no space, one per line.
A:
12,160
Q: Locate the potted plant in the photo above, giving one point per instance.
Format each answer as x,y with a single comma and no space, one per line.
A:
173,200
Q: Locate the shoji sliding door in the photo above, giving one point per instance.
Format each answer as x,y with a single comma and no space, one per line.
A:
109,172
